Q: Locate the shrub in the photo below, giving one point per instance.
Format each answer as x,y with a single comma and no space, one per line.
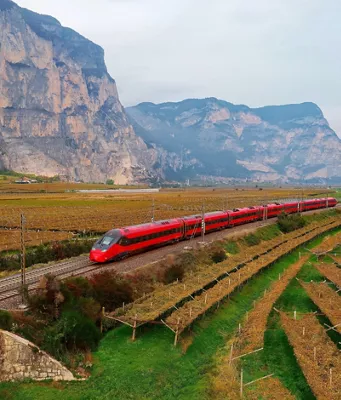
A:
218,255
231,247
142,282
288,223
77,287
111,290
89,307
252,240
172,273
6,320
187,260
78,331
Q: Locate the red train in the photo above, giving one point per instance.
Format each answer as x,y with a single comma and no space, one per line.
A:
119,243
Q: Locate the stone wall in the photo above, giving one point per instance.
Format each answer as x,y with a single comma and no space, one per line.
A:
20,359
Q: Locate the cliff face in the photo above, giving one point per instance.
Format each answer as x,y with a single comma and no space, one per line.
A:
59,108
216,138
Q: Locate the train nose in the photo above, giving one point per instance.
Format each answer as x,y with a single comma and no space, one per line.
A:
98,256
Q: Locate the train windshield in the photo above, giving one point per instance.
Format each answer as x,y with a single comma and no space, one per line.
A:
108,240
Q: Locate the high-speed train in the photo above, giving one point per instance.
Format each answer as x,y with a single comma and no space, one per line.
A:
119,243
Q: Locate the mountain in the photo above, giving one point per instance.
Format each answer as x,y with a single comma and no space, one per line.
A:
60,114
59,108
217,139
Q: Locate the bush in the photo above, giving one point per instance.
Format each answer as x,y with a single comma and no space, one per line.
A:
252,240
78,331
187,260
217,252
288,223
77,287
89,307
172,273
231,247
6,320
73,331
111,290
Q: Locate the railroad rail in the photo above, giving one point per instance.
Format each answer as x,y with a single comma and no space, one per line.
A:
10,286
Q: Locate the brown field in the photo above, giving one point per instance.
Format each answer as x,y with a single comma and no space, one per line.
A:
252,333
99,212
327,300
316,371
331,272
10,240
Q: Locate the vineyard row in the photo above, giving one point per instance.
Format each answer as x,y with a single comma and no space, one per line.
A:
317,355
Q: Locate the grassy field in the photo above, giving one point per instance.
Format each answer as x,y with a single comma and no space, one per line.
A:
151,368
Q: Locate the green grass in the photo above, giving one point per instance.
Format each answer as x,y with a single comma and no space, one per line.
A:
151,368
231,247
268,232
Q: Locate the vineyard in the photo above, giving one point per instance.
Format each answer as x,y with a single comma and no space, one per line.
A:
331,272
327,300
250,338
317,355
95,213
185,301
244,328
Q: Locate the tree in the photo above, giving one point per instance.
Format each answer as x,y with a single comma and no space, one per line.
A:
110,182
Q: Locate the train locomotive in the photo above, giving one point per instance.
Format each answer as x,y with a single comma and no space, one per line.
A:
120,243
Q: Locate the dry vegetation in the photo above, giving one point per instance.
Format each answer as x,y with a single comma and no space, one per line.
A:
251,338
252,333
99,212
317,355
10,240
164,298
327,300
328,244
331,272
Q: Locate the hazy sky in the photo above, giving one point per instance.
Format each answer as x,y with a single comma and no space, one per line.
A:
243,51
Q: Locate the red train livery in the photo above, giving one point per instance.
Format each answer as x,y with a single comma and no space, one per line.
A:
119,243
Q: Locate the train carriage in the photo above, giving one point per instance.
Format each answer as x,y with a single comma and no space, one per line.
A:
216,220
132,239
119,243
241,216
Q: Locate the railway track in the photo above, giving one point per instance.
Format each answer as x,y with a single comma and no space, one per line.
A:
10,286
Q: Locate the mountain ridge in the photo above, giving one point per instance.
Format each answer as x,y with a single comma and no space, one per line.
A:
233,132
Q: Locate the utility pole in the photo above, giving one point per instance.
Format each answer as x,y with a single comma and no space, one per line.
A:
203,223
153,210
23,256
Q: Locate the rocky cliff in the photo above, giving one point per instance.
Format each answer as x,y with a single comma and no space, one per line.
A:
59,108
219,139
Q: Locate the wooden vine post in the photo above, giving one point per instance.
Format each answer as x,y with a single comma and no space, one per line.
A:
102,318
241,383
134,329
176,332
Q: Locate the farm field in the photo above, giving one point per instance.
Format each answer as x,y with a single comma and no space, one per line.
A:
95,213
152,368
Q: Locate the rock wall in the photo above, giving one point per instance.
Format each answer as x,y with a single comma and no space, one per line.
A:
21,359
60,113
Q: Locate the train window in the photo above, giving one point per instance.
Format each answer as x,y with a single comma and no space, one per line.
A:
124,241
